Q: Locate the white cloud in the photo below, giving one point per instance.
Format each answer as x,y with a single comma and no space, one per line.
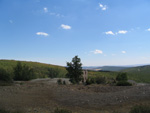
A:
109,33
123,52
65,26
42,33
10,21
97,51
148,29
122,32
45,9
103,7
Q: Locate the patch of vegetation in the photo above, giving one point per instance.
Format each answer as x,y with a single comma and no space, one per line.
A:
23,72
96,80
5,111
62,111
59,82
140,109
64,82
122,79
139,74
123,83
4,75
40,70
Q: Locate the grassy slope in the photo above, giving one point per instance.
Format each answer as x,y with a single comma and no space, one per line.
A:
41,69
139,74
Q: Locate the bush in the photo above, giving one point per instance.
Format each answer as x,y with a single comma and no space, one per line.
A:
62,111
122,77
59,81
96,80
23,72
64,82
123,83
140,109
53,73
88,82
100,80
4,75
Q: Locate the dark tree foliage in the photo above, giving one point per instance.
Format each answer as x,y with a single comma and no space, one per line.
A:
23,72
53,73
4,75
74,69
122,77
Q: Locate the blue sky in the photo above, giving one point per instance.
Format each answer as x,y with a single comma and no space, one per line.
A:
100,32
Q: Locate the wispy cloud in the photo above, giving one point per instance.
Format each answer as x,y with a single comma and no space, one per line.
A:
42,34
123,52
122,32
97,51
119,32
148,29
103,7
10,21
109,33
45,9
67,27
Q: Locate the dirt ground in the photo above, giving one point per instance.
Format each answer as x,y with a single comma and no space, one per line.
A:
45,95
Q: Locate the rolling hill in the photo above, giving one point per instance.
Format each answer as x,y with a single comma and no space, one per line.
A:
41,69
139,74
106,68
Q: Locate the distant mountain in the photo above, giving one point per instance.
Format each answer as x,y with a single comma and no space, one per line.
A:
106,68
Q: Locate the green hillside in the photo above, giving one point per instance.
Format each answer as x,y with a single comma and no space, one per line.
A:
139,74
41,69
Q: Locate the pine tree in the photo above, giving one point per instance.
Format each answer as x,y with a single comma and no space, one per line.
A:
74,70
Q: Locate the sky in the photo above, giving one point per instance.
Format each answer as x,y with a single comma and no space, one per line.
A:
100,32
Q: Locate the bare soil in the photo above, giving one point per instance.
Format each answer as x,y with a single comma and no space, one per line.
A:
45,95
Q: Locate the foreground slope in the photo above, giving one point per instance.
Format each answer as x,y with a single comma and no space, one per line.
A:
43,96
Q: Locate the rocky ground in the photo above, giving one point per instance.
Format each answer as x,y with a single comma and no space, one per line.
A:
45,95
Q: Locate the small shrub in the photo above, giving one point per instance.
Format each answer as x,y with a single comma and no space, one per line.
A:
140,109
53,73
88,82
122,77
23,72
93,80
123,83
59,81
64,82
100,80
62,111
4,75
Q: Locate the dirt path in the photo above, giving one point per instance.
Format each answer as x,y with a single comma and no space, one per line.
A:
44,95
